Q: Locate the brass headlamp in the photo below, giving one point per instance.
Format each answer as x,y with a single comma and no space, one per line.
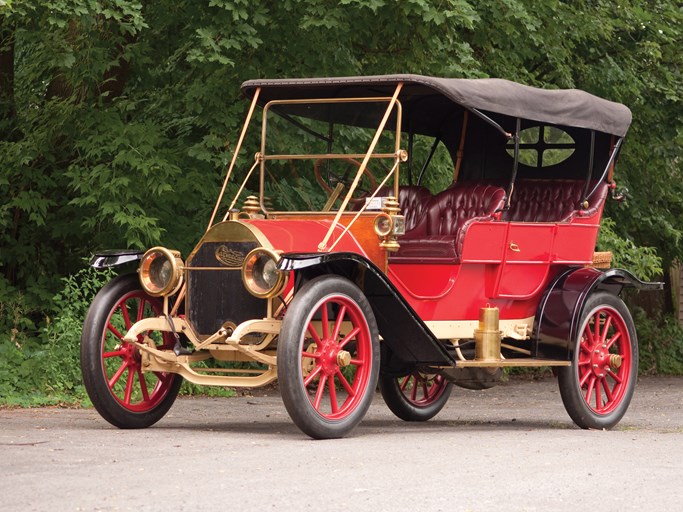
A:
161,271
260,274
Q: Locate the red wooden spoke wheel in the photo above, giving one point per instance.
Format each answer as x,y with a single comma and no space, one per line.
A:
328,357
604,360
417,396
598,387
122,393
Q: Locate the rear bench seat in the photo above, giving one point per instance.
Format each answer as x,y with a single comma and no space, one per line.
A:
552,200
436,226
437,234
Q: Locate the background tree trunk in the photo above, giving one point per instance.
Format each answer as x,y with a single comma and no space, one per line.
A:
8,109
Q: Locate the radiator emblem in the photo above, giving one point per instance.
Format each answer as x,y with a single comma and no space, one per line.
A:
229,257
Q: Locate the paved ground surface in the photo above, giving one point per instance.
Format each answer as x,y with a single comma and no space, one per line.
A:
509,448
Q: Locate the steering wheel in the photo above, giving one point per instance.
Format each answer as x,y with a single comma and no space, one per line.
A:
367,184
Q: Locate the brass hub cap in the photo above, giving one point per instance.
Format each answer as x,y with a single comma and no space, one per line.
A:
343,358
615,361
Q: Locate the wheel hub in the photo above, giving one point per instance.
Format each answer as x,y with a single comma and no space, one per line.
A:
329,355
131,355
600,360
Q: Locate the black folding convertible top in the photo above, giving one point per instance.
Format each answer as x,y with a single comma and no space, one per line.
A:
427,97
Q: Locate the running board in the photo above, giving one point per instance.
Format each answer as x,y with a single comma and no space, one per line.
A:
511,363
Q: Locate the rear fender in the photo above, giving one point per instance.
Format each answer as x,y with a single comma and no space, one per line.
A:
559,312
403,331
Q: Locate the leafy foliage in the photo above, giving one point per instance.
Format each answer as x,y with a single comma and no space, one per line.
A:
114,115
41,366
660,341
62,332
642,261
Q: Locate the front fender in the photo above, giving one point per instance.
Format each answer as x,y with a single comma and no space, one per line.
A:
115,258
559,312
402,330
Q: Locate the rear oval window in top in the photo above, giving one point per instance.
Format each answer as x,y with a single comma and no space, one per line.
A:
543,146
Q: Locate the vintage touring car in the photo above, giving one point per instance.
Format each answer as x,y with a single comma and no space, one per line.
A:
334,269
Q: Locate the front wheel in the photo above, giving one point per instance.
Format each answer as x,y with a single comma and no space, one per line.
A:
328,357
597,388
417,396
121,392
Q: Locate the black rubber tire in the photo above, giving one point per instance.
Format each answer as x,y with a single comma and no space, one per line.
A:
411,408
593,368
96,336
295,338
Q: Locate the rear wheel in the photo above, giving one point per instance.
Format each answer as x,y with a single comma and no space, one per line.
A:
417,396
112,370
597,388
328,357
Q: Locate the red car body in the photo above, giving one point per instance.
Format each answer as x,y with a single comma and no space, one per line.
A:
396,284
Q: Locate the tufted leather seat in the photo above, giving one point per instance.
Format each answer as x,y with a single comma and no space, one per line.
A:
439,235
551,200
413,200
450,209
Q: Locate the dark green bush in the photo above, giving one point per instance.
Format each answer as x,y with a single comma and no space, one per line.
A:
660,343
40,364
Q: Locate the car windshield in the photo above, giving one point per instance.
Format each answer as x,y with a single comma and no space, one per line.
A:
310,163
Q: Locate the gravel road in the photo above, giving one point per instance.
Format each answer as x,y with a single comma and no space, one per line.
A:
509,448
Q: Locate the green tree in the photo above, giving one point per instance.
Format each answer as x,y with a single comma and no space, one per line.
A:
117,117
